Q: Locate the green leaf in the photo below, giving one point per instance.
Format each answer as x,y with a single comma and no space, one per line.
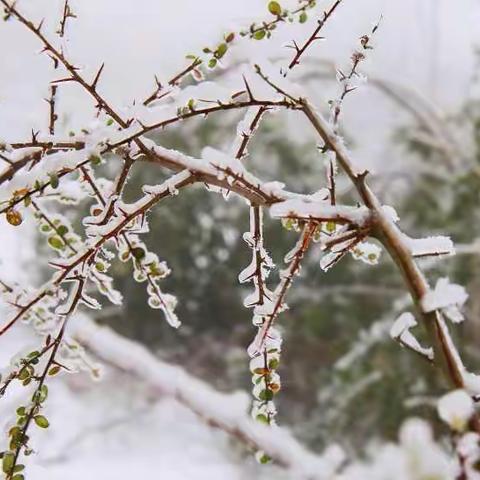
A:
110,122
100,266
273,363
259,34
221,50
18,477
41,421
95,160
138,253
54,370
262,418
40,396
303,17
212,63
53,180
8,462
264,459
21,411
62,230
24,374
55,242
266,395
331,226
15,432
274,8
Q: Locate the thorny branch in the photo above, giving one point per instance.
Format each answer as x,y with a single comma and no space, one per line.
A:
314,36
116,224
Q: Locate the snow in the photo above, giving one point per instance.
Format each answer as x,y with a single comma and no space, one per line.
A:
404,322
446,296
318,210
391,213
421,247
455,409
244,130
415,456
367,252
401,331
226,411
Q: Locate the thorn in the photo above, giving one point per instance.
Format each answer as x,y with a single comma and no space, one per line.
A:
63,80
144,127
247,86
97,76
58,265
361,176
237,94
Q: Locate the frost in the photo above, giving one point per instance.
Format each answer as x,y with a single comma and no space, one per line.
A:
221,160
404,322
104,284
367,252
391,213
472,383
448,297
423,247
455,409
318,210
401,331
330,259
261,264
244,131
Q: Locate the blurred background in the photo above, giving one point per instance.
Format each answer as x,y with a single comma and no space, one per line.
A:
415,125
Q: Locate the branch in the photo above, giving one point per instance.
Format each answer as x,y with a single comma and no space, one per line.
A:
202,399
388,233
314,36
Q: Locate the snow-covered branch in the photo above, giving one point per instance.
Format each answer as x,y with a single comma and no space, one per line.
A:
227,412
